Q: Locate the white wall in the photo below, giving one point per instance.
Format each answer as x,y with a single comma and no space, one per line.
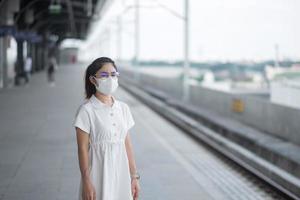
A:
286,92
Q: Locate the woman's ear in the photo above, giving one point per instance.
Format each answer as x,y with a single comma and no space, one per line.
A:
92,80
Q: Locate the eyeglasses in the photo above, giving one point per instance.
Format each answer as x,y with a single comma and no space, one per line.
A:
105,75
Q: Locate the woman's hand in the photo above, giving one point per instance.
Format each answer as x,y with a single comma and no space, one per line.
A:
88,192
135,188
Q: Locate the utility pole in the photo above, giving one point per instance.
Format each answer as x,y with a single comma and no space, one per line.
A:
186,67
119,38
276,55
137,40
185,18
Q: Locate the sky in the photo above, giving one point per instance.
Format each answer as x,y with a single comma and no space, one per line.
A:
220,30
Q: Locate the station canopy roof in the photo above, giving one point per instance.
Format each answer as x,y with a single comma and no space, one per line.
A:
60,18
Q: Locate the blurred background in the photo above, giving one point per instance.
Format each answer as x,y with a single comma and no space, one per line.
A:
220,79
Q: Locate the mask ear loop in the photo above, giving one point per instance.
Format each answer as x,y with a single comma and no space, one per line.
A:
95,79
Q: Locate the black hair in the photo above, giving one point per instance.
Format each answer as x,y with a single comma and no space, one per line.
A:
91,70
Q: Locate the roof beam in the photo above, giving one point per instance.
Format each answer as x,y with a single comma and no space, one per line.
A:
71,16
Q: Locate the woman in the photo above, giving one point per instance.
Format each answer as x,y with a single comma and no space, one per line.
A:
105,153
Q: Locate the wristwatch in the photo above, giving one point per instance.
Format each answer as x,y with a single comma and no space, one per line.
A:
136,175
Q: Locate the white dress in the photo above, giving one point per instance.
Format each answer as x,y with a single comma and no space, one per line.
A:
107,127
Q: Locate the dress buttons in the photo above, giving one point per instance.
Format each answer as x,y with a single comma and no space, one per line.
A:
114,124
111,114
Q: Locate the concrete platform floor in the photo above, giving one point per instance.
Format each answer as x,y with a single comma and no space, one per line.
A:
38,149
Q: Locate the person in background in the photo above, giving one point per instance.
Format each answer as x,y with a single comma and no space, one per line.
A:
52,67
27,69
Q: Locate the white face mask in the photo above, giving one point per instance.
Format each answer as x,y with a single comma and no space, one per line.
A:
107,86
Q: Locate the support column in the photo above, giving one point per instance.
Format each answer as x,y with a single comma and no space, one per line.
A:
19,68
33,56
4,62
39,57
2,57
45,56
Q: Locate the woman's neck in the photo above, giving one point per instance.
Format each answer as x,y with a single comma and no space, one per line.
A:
107,99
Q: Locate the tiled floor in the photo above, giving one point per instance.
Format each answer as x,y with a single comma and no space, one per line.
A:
38,149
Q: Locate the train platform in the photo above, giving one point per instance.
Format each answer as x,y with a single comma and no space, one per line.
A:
38,149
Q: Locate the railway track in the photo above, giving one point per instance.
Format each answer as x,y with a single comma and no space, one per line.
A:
237,179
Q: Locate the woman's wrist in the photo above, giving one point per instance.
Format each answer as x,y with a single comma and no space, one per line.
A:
86,179
135,175
85,176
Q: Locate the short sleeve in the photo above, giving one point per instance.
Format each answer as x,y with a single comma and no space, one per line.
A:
129,118
82,120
